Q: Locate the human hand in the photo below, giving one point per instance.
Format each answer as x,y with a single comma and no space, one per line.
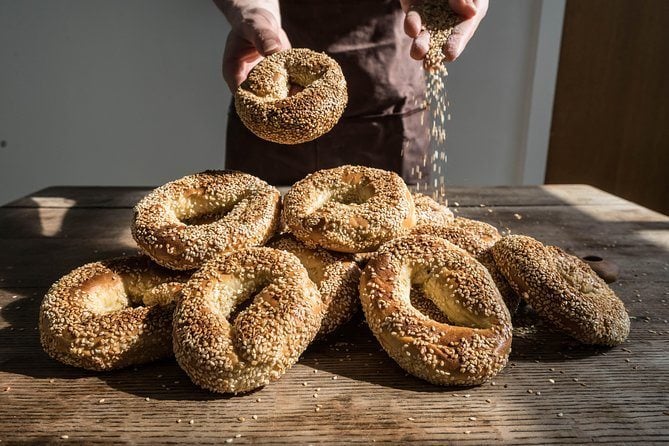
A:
254,35
471,13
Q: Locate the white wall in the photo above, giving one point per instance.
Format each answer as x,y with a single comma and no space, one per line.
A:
129,93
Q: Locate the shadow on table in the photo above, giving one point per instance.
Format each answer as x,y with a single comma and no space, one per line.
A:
33,259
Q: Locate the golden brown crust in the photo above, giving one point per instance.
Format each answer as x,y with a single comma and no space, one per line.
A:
265,106
185,222
429,212
477,238
336,276
349,208
563,289
470,349
229,353
111,314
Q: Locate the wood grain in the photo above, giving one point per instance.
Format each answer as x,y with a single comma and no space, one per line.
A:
603,395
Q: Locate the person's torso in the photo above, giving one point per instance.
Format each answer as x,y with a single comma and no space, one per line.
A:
366,38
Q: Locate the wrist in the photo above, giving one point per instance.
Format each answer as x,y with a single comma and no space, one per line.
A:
238,12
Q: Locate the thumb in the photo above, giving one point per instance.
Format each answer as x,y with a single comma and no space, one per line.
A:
262,29
266,41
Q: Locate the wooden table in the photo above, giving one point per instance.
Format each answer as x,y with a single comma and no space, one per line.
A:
346,390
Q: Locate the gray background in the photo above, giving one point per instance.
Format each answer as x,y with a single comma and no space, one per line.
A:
130,93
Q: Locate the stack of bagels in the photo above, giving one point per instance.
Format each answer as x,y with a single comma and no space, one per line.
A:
237,284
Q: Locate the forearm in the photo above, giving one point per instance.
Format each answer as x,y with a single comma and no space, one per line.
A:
237,10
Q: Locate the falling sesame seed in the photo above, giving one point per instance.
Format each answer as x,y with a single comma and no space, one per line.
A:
488,400
179,420
148,399
228,440
101,400
64,437
560,415
241,419
411,419
551,380
191,422
238,435
472,418
255,417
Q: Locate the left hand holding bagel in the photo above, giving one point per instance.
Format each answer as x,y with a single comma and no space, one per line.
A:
256,33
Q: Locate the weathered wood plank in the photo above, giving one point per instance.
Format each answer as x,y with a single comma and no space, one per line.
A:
547,195
604,395
634,237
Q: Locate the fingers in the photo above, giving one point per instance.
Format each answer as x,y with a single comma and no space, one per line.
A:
239,57
262,29
463,32
258,35
464,8
420,45
412,24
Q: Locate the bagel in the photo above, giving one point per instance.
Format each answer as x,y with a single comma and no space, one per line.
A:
429,212
266,106
349,208
336,277
563,289
186,222
110,314
477,238
245,318
469,343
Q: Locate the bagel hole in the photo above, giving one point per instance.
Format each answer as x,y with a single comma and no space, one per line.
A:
425,306
439,288
199,209
246,298
294,89
355,194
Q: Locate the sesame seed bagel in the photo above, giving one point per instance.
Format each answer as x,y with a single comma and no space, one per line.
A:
563,289
111,314
186,222
429,212
477,238
266,106
349,208
470,344
336,276
245,318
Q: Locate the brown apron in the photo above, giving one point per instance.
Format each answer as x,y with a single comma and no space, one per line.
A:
382,125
